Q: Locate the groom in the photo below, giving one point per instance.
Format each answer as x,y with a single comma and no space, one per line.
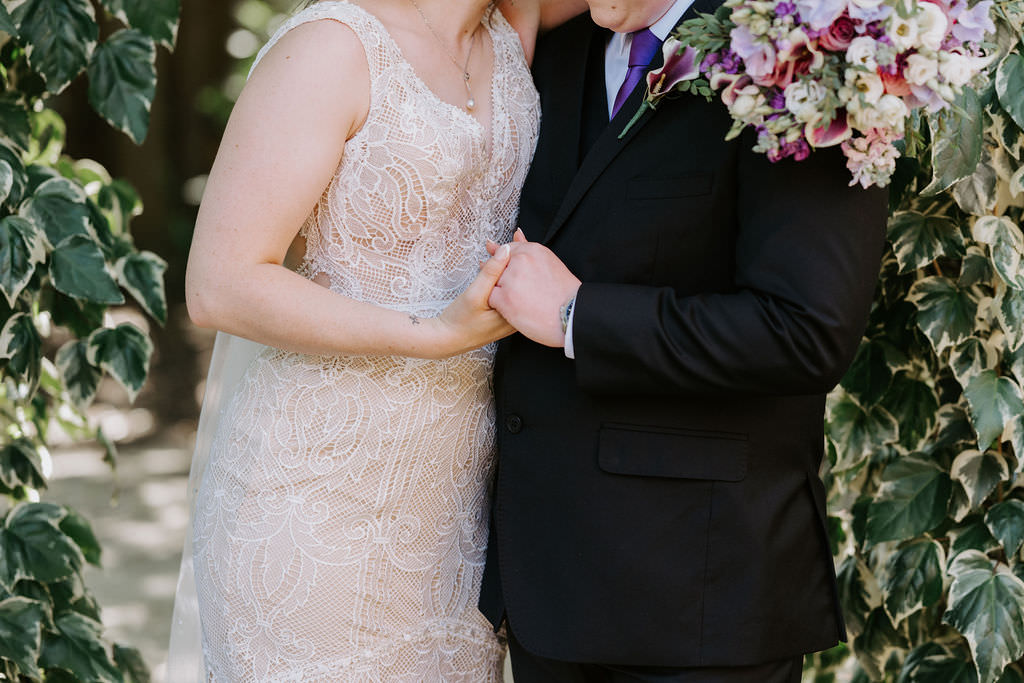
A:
658,514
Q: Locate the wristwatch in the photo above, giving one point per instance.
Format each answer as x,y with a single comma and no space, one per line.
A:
565,311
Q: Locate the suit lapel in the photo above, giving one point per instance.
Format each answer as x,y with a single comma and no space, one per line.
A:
609,144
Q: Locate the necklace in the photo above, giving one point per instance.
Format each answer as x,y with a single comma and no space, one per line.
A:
470,101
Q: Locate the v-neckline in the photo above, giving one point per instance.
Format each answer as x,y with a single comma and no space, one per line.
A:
479,127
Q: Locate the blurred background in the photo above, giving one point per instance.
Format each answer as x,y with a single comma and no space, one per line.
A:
139,513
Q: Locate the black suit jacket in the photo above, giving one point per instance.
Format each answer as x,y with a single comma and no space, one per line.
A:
657,500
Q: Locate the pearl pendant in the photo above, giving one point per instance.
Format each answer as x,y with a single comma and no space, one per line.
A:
470,104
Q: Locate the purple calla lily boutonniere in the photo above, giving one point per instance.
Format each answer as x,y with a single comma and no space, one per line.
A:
679,75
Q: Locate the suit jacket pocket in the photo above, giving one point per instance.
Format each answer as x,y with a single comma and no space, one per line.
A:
676,453
667,188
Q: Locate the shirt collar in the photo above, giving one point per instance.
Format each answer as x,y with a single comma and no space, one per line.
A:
620,42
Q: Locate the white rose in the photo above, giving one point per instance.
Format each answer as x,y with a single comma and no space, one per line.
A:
862,52
743,105
955,68
866,118
931,25
868,84
803,98
893,111
903,33
920,69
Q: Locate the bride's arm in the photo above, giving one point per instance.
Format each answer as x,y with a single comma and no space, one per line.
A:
281,148
530,17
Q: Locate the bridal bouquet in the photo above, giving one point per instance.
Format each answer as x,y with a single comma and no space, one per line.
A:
816,73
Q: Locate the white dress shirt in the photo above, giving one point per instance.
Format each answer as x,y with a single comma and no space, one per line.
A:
616,64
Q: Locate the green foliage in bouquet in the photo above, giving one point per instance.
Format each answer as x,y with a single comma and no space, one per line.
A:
66,255
926,431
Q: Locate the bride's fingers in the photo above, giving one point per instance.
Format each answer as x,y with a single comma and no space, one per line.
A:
519,236
492,247
491,270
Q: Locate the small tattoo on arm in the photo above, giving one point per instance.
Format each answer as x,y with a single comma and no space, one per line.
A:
414,319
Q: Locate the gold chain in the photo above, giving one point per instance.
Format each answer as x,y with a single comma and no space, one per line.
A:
470,101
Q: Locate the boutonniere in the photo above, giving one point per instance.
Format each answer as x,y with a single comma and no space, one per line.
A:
678,75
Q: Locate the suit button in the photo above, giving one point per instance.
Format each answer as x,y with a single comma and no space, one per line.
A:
514,424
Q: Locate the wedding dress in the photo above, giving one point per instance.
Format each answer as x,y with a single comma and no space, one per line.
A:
339,527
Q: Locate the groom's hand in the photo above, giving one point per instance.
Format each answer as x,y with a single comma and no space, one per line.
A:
532,291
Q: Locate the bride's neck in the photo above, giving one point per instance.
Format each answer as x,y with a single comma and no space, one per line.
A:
453,20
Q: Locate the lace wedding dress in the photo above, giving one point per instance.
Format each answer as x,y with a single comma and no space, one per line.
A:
341,523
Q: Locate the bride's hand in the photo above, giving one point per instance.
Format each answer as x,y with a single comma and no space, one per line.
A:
469,322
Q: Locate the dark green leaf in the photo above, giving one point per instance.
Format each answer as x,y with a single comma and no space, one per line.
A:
945,312
19,181
142,275
80,531
1009,305
72,595
1006,522
81,317
913,403
58,207
156,18
122,81
1010,86
993,401
123,352
869,375
971,357
33,590
955,431
856,432
6,23
877,644
957,137
930,663
61,34
81,379
21,249
972,534
919,239
20,465
976,194
911,500
858,593
77,646
913,578
120,203
987,607
1006,247
32,546
21,344
14,118
129,661
979,473
20,630
78,269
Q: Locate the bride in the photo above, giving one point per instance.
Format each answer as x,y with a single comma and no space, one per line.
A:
342,466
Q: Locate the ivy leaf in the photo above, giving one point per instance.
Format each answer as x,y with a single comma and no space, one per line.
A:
77,646
869,374
930,663
14,121
21,344
955,431
987,607
19,181
945,311
993,401
1009,305
58,206
979,473
858,593
60,36
123,352
857,432
78,269
6,23
972,534
919,239
32,546
158,19
21,621
122,81
976,194
1006,522
914,404
6,181
129,662
957,136
21,249
1010,86
877,643
80,531
911,500
971,357
913,578
20,465
1006,245
81,379
142,274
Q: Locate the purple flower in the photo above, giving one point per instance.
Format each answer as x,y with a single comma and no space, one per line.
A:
819,14
730,61
876,29
777,99
680,65
972,24
758,56
784,9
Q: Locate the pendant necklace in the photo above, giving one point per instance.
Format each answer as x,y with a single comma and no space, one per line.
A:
470,101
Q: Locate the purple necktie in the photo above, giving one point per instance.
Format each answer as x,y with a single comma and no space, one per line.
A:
645,45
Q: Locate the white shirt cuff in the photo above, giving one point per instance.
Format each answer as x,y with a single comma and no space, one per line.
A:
570,352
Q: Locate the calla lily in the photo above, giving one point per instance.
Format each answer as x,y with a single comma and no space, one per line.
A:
729,84
832,134
680,65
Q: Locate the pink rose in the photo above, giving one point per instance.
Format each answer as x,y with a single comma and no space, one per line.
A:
839,35
894,84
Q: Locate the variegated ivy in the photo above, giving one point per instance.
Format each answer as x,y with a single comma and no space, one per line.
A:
926,431
65,256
